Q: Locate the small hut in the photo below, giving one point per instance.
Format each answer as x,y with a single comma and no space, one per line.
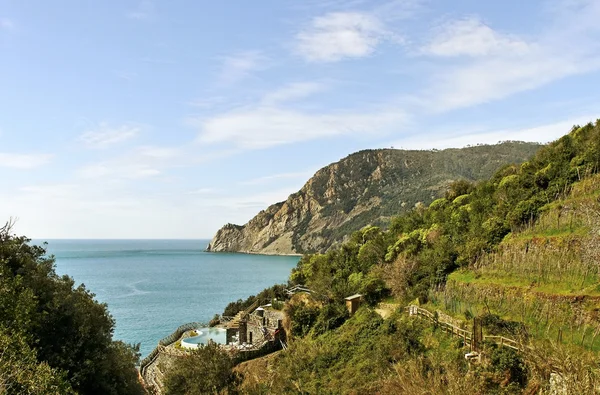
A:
353,303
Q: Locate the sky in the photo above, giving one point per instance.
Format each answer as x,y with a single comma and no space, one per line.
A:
168,119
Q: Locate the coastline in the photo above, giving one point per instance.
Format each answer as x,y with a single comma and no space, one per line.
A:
251,253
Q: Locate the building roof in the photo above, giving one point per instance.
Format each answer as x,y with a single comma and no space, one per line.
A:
355,296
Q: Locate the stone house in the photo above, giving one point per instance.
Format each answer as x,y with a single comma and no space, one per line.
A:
263,324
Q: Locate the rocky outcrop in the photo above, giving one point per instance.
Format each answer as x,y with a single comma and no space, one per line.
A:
367,187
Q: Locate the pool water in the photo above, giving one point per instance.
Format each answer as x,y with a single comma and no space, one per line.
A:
218,335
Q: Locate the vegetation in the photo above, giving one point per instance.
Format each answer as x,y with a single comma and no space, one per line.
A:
54,337
274,293
518,250
367,187
208,370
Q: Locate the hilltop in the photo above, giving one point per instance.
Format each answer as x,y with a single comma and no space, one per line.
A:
367,187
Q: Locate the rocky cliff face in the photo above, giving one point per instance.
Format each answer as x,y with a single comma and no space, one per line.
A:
367,187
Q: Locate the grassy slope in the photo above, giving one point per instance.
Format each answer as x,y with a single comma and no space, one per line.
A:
543,276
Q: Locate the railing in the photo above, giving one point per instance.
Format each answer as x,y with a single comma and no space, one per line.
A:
167,341
503,341
460,332
296,289
173,337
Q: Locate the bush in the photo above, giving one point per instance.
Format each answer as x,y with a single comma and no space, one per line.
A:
208,370
509,363
303,317
330,317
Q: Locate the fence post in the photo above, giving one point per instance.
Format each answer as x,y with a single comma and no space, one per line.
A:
477,334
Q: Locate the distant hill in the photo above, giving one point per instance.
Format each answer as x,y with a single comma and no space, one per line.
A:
367,187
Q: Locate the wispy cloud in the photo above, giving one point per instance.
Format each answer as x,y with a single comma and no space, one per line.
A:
293,91
141,162
496,65
472,37
126,75
24,161
204,191
540,134
207,102
241,65
104,135
145,10
7,24
277,177
263,127
340,35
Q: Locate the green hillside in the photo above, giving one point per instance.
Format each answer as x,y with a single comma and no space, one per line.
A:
366,187
518,251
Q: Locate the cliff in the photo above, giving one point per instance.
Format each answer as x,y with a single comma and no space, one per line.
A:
367,187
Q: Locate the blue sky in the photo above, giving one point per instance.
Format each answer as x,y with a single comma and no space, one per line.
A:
168,119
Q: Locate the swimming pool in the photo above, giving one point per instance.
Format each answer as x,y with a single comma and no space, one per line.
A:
218,335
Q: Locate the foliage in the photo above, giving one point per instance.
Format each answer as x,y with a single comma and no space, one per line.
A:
22,373
302,316
331,316
208,370
509,363
494,325
425,245
67,330
264,296
397,180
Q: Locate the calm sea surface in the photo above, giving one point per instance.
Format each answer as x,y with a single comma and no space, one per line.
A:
153,286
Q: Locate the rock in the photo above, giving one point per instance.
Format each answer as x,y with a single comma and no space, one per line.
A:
367,187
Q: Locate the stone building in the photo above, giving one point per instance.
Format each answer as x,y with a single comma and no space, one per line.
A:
254,328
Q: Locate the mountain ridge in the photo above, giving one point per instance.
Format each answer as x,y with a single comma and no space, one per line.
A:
366,187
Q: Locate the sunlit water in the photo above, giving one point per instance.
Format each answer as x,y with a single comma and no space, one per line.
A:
153,286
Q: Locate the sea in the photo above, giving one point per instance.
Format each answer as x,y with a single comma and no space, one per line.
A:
153,286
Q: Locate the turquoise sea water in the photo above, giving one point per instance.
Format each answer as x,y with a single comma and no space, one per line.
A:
153,286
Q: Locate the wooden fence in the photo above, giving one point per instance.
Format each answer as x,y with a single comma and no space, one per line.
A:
454,330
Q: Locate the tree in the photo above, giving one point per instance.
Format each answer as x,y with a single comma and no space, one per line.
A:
21,373
67,329
208,370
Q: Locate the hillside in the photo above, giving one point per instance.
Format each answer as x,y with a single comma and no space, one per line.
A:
367,187
516,253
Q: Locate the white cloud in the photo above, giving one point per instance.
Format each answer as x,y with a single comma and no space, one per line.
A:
499,65
293,91
207,102
204,191
472,37
263,127
276,177
241,65
105,136
141,162
24,161
340,35
541,134
144,11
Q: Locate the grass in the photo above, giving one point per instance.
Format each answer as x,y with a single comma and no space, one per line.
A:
546,318
589,287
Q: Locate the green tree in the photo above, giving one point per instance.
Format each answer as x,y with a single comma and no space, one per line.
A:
67,328
208,370
22,373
